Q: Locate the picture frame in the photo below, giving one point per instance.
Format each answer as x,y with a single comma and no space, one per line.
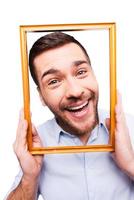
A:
24,30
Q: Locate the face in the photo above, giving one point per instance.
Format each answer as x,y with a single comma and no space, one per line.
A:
67,85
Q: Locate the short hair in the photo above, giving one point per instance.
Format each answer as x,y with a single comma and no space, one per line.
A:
47,42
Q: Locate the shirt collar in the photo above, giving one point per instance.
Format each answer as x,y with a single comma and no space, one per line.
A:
57,130
102,118
94,134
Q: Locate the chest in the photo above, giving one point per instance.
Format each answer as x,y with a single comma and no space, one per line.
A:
82,176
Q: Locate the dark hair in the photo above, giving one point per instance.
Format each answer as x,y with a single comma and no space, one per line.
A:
47,42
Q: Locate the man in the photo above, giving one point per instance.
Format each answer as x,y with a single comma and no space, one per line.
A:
61,68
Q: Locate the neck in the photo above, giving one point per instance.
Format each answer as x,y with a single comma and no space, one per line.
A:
85,137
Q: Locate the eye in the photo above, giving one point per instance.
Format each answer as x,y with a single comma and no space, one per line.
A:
81,72
53,82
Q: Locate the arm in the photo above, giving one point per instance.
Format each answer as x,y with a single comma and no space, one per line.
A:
26,190
124,153
31,165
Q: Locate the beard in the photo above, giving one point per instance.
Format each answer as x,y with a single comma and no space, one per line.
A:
84,126
67,125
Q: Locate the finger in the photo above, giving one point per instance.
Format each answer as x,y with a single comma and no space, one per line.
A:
22,126
107,122
22,130
120,104
21,117
21,114
120,116
121,126
36,139
34,131
22,122
20,142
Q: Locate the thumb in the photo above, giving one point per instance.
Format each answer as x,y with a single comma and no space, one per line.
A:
36,138
34,131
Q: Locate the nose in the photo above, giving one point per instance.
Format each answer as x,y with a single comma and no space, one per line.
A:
74,89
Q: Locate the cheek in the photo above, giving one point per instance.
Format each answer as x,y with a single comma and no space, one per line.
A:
91,83
53,98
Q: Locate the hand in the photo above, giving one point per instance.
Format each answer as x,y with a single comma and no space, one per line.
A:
124,153
31,165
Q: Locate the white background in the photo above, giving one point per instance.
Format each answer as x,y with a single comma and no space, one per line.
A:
96,43
15,13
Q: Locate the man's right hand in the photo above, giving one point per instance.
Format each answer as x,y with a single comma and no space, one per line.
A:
30,164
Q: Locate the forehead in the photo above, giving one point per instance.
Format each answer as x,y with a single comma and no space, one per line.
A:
63,55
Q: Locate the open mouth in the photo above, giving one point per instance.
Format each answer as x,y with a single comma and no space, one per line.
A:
78,108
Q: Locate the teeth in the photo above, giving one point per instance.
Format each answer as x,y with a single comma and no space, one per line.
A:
78,107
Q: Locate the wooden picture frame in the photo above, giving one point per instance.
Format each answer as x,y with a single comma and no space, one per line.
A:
111,27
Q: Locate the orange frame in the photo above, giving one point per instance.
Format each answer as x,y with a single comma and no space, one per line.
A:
26,92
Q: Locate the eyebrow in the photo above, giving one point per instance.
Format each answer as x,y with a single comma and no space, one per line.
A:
49,71
80,62
55,71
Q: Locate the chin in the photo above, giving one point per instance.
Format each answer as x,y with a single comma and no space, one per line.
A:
82,128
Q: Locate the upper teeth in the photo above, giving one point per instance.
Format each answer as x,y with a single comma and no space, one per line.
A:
78,107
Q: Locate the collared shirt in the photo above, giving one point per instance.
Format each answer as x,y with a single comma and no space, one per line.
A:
80,176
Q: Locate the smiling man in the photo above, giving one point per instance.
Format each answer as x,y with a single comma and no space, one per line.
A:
61,68
65,74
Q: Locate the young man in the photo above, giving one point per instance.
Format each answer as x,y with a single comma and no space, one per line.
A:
61,68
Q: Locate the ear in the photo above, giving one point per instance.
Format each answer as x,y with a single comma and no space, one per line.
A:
41,98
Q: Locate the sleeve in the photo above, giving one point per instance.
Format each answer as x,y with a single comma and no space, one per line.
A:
16,183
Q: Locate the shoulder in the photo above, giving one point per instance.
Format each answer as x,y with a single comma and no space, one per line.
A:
46,126
129,121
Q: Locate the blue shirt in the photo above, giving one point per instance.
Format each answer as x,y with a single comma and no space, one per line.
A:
80,176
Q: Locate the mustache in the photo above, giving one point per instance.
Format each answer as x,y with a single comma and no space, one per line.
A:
73,99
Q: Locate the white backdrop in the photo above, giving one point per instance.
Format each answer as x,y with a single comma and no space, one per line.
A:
96,42
14,13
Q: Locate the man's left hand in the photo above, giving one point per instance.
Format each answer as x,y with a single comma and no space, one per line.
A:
124,153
